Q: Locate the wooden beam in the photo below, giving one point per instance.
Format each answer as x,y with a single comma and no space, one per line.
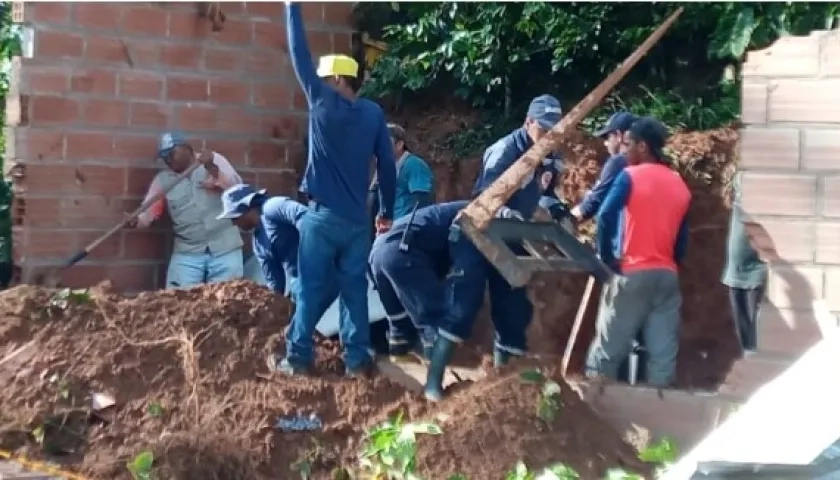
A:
482,209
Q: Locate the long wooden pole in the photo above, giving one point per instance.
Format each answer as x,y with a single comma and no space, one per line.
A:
482,209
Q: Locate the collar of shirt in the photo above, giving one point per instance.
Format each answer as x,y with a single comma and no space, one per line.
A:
401,160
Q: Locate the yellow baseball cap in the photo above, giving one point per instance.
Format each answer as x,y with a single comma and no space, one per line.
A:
331,65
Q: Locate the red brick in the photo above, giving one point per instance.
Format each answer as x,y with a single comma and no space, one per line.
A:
186,25
197,118
50,243
135,149
749,374
821,150
270,35
100,180
89,146
49,109
229,91
278,183
92,211
267,154
37,212
794,240
149,114
769,194
265,9
320,43
217,59
271,95
248,176
108,113
133,53
235,32
754,103
181,56
805,101
58,44
343,42
786,332
82,276
139,178
30,144
265,64
133,278
110,248
236,120
338,13
144,245
794,287
313,12
299,101
141,85
98,81
45,80
187,89
93,15
57,13
236,151
151,21
281,127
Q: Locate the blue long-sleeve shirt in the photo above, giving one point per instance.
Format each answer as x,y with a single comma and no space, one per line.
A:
595,197
635,227
343,136
498,158
276,240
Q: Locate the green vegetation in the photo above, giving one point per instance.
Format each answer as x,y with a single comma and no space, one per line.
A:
9,47
498,55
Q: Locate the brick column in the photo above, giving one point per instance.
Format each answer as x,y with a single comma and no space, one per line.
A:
791,183
105,79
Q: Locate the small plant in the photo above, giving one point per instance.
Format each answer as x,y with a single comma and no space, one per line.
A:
66,296
391,450
558,471
662,454
549,402
140,466
154,409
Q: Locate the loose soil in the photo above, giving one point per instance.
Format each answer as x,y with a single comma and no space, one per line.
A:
187,371
706,160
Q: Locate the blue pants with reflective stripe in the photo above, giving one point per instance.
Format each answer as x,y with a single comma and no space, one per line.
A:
409,287
510,309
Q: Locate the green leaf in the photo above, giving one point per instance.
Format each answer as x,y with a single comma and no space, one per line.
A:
660,453
532,376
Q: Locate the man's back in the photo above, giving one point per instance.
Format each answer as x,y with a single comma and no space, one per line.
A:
656,209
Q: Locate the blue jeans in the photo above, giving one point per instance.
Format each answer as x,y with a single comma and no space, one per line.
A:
191,269
510,309
331,249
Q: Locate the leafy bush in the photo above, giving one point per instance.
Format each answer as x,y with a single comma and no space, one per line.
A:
9,47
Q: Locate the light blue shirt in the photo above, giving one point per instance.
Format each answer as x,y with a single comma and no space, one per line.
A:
413,176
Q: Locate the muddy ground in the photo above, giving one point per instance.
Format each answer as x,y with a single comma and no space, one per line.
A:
187,372
707,161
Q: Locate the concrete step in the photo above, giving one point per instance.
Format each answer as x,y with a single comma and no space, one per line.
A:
748,374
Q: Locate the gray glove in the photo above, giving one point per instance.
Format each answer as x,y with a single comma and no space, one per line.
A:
506,212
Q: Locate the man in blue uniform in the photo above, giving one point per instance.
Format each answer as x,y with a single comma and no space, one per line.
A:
471,273
408,264
345,132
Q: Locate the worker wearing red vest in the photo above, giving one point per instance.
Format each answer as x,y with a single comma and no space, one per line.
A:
642,235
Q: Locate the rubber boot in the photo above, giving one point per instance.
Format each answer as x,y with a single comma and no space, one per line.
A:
441,354
500,358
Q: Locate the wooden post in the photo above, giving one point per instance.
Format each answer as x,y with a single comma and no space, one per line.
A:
482,209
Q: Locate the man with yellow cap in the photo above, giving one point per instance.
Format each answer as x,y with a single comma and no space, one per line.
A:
344,133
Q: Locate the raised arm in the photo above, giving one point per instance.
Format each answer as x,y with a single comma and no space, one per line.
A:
299,50
608,218
386,171
226,176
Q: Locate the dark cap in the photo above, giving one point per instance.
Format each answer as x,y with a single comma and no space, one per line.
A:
652,132
618,122
546,111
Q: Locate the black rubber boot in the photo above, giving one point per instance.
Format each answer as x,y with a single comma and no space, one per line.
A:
441,354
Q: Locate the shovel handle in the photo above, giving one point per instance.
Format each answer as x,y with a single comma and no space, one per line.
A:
78,257
570,343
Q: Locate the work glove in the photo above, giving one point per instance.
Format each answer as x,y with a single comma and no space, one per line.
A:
506,212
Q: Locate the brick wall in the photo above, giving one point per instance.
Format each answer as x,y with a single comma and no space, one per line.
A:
791,183
102,80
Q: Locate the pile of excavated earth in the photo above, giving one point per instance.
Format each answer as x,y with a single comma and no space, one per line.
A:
94,380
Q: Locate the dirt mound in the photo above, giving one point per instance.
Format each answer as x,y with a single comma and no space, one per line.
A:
706,160
513,416
186,371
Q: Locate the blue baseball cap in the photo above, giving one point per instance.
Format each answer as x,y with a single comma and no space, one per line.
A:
168,141
236,200
546,110
618,122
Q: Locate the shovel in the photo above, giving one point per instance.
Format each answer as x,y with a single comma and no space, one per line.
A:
52,278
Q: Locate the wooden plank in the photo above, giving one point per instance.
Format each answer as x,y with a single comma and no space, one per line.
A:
484,207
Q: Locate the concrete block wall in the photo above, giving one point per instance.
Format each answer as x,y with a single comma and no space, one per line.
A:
102,80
